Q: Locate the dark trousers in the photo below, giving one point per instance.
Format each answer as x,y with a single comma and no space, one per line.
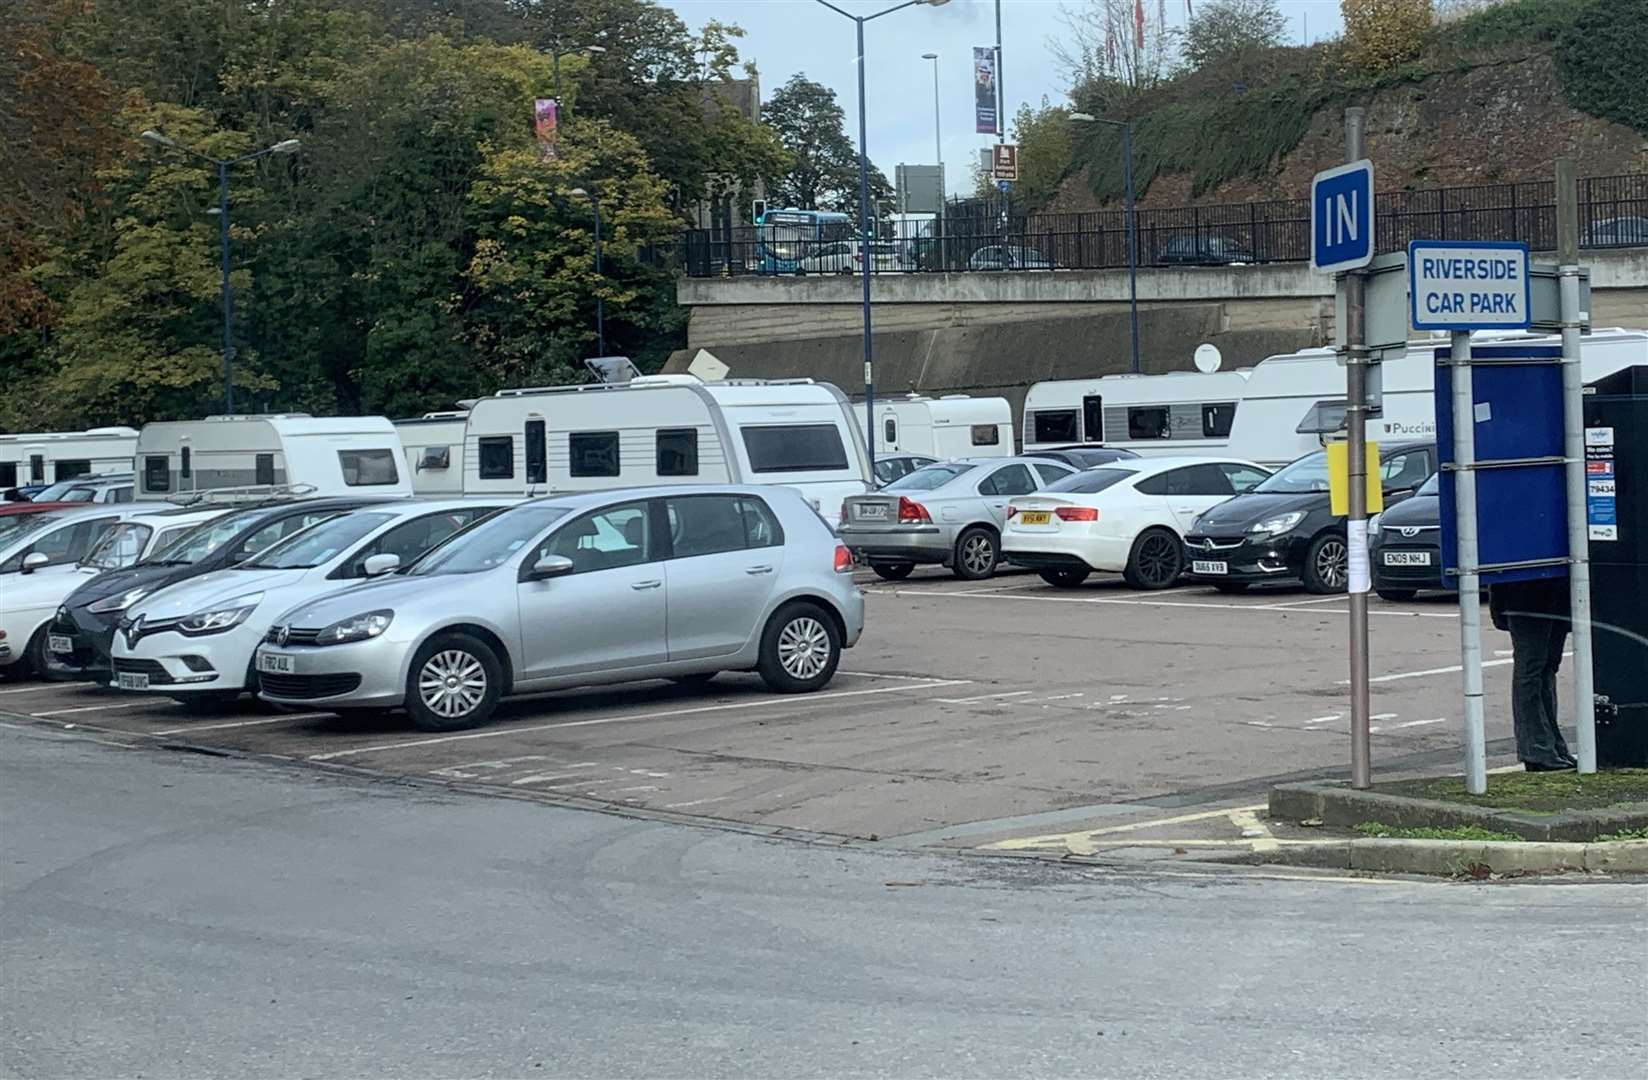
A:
1536,650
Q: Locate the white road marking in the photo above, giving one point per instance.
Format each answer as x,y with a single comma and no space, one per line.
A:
1435,671
665,714
1301,603
982,697
461,771
695,802
542,778
95,708
1325,719
1061,697
879,675
1208,605
242,723
643,787
1422,723
32,689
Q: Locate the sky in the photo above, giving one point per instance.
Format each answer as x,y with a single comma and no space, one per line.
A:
787,36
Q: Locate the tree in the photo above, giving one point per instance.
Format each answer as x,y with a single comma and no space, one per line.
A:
823,162
1601,56
1125,42
1045,149
1232,30
1380,34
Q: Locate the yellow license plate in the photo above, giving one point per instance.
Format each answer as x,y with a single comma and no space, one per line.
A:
1035,517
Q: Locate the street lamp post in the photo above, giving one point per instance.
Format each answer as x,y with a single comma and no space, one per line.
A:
938,137
864,224
587,50
1132,227
600,306
287,146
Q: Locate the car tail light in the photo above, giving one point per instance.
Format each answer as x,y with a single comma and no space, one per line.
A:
911,512
1012,511
843,513
1077,513
843,559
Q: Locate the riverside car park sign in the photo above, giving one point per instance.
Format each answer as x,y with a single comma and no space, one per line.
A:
1469,286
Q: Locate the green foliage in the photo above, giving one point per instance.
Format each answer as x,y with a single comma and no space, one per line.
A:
1602,56
1380,34
1624,835
821,171
1223,29
1044,138
1461,832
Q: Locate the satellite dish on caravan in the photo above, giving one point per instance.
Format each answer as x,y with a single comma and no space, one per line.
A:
1208,358
707,366
612,369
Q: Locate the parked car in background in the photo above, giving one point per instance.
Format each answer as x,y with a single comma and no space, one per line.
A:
86,621
1617,232
50,542
1086,456
578,589
842,257
951,513
1008,257
107,488
1285,529
1127,517
889,467
1202,250
195,640
1405,545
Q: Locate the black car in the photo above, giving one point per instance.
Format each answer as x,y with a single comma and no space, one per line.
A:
1203,251
1285,529
89,614
890,467
1083,456
1405,545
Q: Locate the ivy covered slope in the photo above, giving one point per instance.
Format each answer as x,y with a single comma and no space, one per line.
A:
1488,96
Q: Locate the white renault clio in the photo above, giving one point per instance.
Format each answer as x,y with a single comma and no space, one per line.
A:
195,640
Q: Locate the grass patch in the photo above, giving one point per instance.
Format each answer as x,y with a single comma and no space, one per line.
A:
1462,832
1624,834
1536,793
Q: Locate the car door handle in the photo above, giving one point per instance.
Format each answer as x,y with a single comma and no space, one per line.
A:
642,586
753,570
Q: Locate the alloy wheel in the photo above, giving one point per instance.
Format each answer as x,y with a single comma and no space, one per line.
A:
978,554
803,647
1332,564
1158,560
452,683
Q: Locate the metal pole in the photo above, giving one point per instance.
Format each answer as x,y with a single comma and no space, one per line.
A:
600,305
1356,528
228,308
1573,427
557,80
1470,583
864,250
938,135
1132,247
1001,87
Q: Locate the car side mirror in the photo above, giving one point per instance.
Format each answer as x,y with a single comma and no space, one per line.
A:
34,560
550,566
380,564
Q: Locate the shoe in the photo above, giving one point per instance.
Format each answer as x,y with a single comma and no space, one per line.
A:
1572,762
1537,766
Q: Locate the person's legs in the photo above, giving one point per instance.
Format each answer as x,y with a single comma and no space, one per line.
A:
1559,638
1531,640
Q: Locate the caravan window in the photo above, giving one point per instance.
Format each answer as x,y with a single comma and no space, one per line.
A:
1056,426
368,468
677,451
68,470
1149,423
157,475
37,468
1216,419
497,454
594,453
794,448
537,453
1323,418
986,435
1093,418
265,469
889,431
8,474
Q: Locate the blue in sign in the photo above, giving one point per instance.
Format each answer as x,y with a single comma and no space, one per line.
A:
1341,217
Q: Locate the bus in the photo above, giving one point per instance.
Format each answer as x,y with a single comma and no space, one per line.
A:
783,237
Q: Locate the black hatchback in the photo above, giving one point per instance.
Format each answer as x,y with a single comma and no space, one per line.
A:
1405,545
1285,529
88,616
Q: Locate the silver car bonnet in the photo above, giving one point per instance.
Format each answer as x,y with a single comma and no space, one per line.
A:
394,592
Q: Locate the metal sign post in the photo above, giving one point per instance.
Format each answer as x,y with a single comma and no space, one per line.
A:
1470,582
1341,209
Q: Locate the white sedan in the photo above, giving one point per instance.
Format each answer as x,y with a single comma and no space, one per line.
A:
1128,516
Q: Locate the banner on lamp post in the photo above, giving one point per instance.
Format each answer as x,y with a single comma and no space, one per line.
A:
986,120
545,114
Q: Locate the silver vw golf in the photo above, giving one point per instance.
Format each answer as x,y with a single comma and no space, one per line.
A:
568,590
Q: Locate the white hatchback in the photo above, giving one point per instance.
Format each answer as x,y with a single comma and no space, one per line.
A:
1129,516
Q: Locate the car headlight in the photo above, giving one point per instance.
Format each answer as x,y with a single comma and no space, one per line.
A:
219,619
1373,525
1278,525
355,628
120,601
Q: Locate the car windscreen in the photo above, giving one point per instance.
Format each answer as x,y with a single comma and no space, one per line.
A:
119,547
202,540
17,527
318,544
489,543
1433,486
1089,482
929,478
1308,474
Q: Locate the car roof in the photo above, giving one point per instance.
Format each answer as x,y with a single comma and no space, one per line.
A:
579,500
1166,462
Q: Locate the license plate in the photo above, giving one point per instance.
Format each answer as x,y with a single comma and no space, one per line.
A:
59,643
870,512
1407,558
277,663
132,680
1202,566
1035,517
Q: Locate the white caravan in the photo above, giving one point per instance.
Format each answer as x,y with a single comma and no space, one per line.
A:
252,457
1183,412
433,446
668,429
1294,402
49,456
952,426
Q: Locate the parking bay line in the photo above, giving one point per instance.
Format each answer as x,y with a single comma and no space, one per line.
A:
1207,605
665,714
94,708
260,722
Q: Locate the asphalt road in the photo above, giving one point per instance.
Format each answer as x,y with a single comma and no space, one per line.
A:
172,915
976,709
